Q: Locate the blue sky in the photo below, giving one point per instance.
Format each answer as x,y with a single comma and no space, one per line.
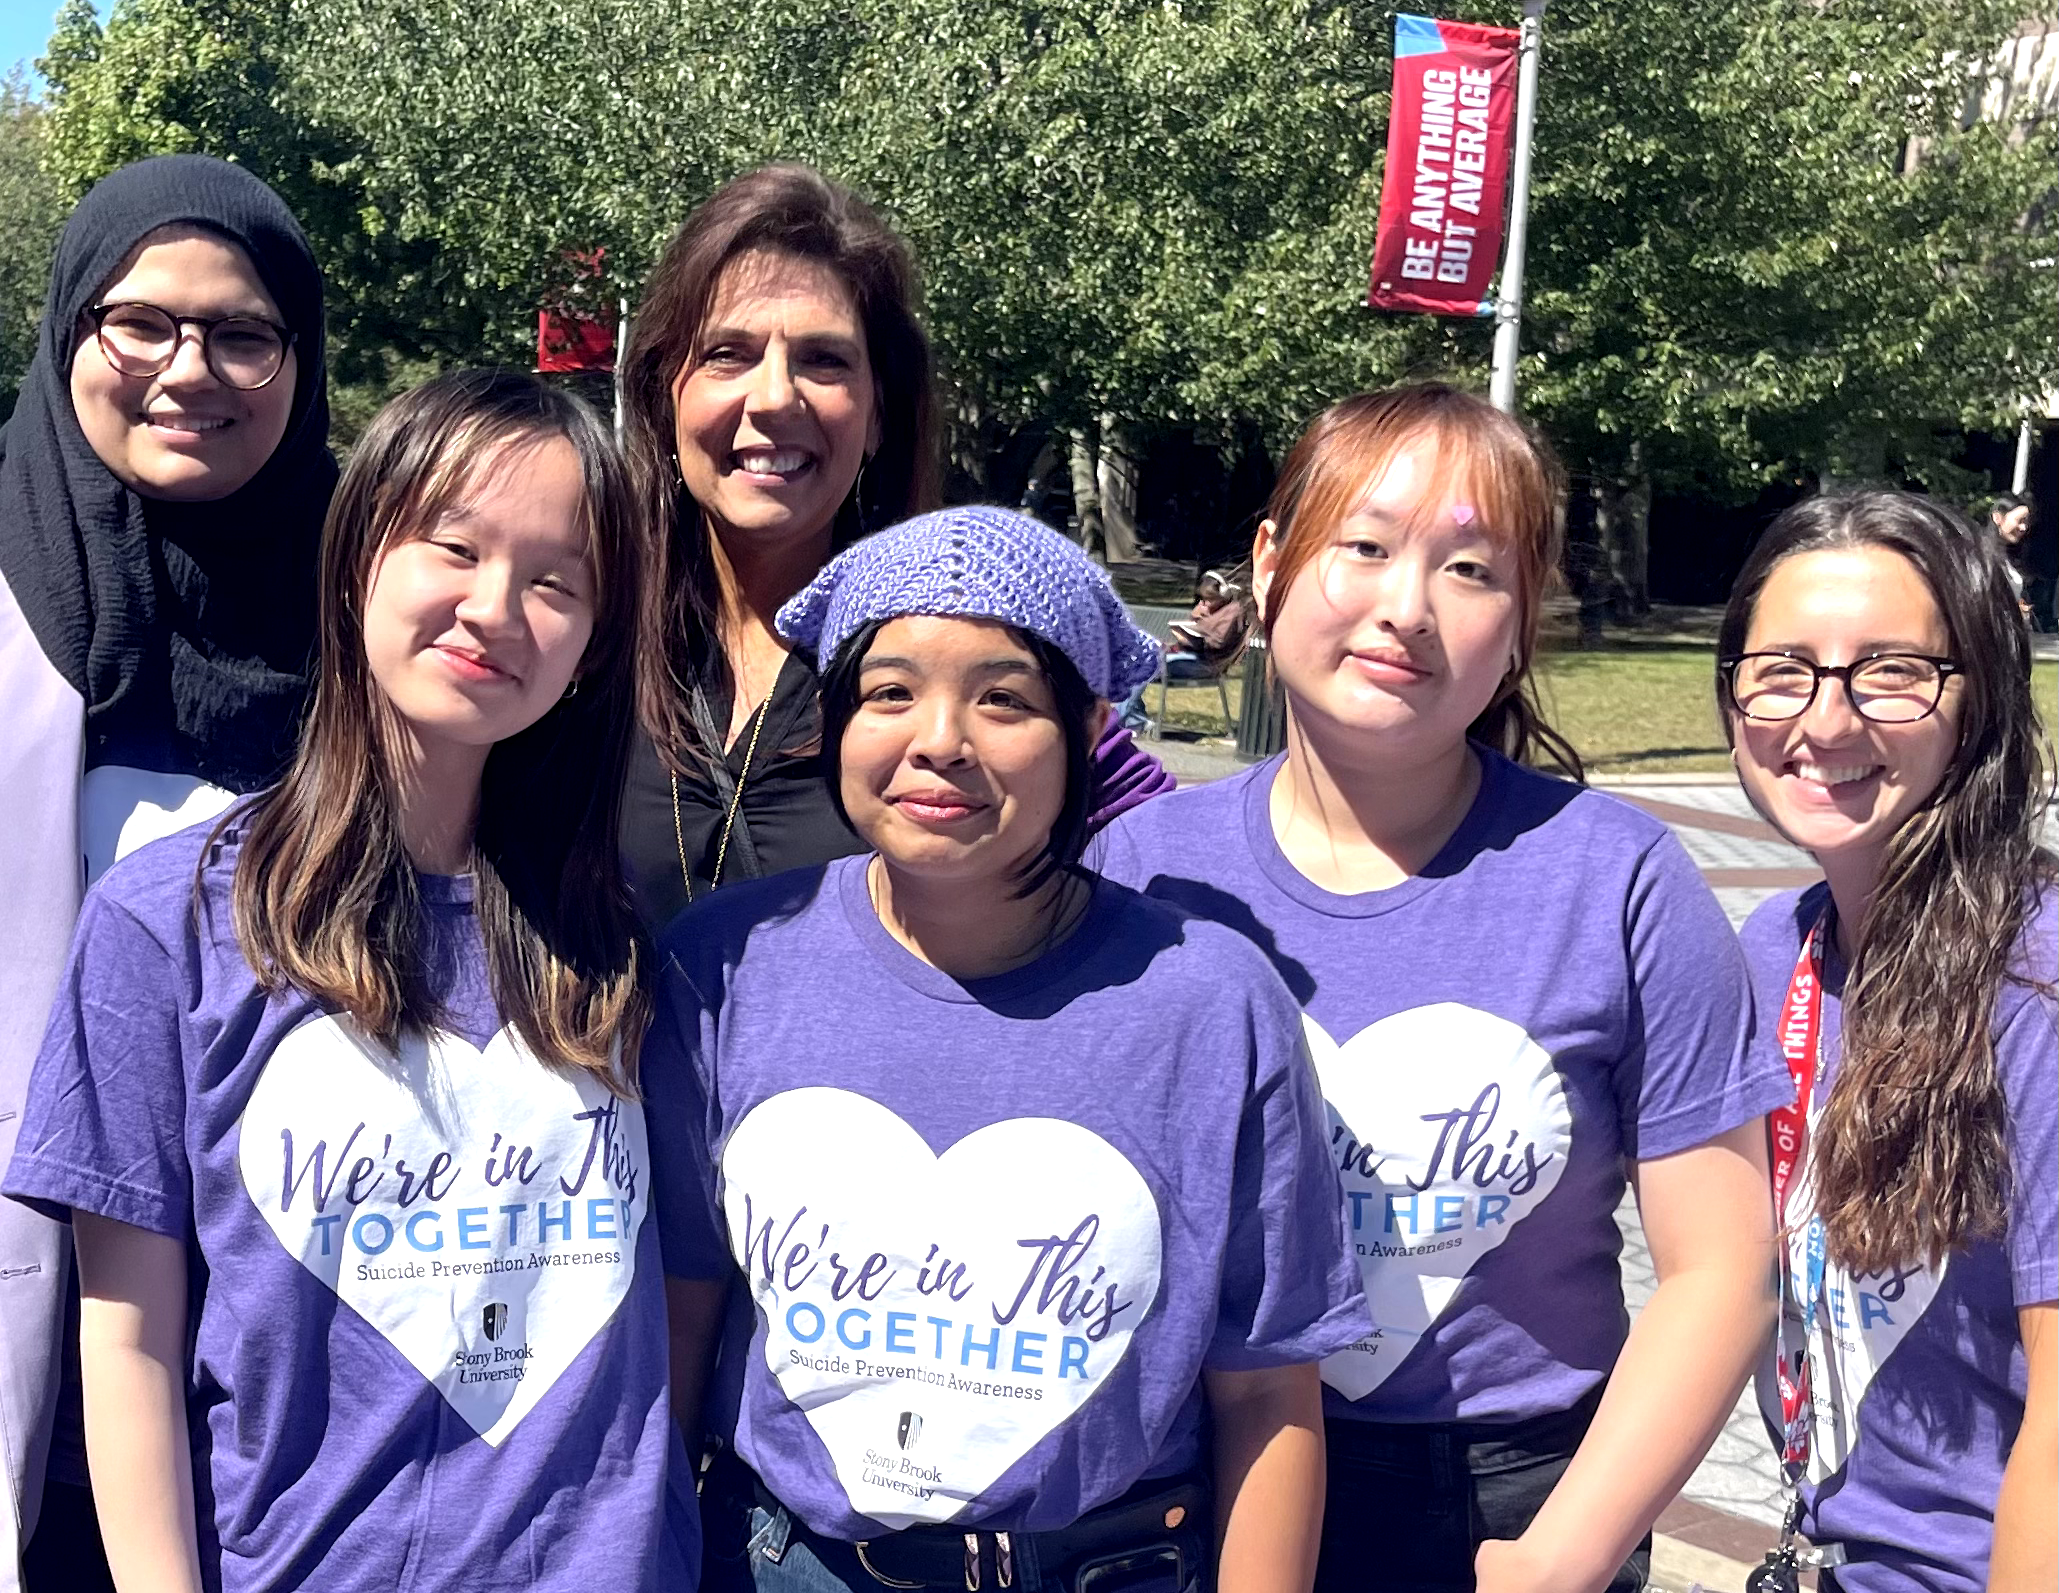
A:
24,27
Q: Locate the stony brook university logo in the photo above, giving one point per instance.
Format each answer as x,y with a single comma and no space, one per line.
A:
909,1431
493,1319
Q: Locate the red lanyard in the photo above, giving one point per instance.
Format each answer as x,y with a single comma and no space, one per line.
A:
1801,1036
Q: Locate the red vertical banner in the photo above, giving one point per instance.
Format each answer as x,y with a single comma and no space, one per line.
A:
569,341
570,335
1448,141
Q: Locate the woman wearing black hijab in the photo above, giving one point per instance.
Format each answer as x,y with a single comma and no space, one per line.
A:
162,485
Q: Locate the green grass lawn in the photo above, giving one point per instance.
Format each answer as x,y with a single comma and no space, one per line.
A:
1636,710
1628,709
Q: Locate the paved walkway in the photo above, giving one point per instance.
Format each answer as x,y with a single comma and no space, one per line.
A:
1745,861
1729,1509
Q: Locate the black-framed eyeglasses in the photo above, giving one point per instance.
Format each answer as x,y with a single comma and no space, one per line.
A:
244,351
1886,688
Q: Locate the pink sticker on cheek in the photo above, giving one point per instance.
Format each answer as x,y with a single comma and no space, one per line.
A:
1462,514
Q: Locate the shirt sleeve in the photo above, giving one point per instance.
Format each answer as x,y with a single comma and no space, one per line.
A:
1123,776
1290,1292
677,1110
105,1126
2024,1055
1689,1070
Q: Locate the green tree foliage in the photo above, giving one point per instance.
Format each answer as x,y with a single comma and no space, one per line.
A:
1160,211
1771,243
1151,209
233,78
1740,273
34,209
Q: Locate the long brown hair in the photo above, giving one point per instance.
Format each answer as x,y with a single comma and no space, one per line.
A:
1488,458
325,898
792,210
1911,1156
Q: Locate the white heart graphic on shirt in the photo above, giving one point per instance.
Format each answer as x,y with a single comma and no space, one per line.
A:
1449,1126
1860,1322
935,1316
477,1208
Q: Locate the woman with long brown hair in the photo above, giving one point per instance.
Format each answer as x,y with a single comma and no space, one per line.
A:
338,1096
1875,684
1517,991
779,403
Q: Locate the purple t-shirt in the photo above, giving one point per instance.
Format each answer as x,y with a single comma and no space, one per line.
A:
1555,992
429,1323
993,1231
1918,1376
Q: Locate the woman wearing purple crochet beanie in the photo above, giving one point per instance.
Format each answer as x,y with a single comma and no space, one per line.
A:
1021,1177
779,405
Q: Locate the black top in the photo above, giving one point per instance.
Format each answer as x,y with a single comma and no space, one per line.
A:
785,820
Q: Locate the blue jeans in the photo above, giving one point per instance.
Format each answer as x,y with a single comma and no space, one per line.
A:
774,1559
1178,666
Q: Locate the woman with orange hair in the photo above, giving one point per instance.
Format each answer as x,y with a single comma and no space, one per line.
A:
1516,991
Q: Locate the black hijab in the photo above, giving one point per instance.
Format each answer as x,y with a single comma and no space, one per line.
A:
188,628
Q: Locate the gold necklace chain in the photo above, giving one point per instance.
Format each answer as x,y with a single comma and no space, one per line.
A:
736,798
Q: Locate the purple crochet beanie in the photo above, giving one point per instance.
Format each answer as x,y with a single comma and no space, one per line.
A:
978,563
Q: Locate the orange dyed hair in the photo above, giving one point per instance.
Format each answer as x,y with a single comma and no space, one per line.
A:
1484,458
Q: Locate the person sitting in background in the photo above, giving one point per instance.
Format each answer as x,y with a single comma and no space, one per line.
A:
1199,646
1216,627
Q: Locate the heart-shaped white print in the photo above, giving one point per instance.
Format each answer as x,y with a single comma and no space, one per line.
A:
935,1316
1449,1126
477,1208
1859,1323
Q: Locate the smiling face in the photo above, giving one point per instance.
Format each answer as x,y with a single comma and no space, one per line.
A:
182,434
776,409
475,625
1835,784
954,762
1402,625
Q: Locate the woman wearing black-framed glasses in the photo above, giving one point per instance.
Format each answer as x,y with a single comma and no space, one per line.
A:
1885,688
163,480
1875,682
